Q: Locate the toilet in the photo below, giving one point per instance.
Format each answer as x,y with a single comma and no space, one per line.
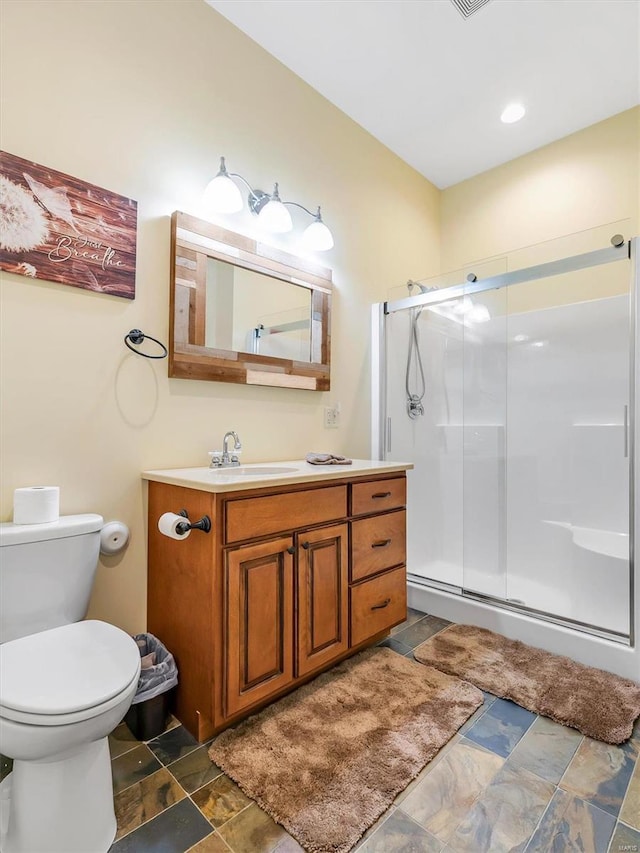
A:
64,686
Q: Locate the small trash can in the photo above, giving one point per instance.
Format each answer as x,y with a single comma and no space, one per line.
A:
147,717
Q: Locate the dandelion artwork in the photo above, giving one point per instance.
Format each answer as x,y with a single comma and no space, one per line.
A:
62,229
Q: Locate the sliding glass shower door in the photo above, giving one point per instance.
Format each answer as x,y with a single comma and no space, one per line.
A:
519,434
567,450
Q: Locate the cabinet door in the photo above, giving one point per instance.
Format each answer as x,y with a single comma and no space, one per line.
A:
258,622
323,607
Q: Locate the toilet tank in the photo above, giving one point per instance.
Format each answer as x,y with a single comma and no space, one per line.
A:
46,573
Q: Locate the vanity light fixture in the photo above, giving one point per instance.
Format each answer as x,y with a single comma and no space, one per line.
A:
223,196
270,210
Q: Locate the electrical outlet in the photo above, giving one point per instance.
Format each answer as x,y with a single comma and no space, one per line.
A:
332,417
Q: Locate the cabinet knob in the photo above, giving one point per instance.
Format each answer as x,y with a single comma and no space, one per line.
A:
384,604
381,544
291,550
305,545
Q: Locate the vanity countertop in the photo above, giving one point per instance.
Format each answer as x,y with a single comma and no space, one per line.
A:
253,476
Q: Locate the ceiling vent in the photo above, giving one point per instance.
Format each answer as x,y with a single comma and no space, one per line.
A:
467,8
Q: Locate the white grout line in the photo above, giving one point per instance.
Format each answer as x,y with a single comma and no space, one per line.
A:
145,822
567,768
636,769
542,816
188,795
219,837
365,840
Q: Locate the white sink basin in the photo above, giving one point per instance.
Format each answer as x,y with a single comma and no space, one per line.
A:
255,470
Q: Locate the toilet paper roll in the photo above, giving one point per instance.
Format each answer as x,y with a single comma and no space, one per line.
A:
36,505
113,537
168,523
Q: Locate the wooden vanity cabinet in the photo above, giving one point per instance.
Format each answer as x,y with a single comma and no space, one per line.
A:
289,581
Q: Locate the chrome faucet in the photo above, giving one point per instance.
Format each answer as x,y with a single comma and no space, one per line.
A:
226,459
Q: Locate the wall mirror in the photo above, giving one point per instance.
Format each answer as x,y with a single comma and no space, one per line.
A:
242,311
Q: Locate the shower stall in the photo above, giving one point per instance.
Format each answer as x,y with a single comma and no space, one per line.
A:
513,395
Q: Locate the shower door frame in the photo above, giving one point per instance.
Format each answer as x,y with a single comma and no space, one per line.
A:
381,438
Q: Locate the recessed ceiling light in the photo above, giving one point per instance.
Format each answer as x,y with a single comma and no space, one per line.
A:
513,112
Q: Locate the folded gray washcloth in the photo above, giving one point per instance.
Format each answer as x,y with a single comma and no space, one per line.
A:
327,459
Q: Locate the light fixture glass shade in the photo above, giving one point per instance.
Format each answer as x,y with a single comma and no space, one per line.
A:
317,237
222,195
275,217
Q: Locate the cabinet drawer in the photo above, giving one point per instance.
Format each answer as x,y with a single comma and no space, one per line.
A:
378,604
377,543
250,518
378,495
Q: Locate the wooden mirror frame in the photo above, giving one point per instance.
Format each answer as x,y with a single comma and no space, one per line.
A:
193,241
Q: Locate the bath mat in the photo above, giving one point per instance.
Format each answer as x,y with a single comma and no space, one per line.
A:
329,759
599,704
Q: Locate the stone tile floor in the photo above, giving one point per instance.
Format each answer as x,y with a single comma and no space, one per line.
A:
509,780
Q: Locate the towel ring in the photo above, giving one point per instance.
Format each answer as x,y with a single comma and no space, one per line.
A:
135,336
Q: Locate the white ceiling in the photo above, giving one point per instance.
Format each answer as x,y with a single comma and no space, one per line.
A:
431,85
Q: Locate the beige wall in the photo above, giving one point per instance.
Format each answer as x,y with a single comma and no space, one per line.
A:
142,97
570,196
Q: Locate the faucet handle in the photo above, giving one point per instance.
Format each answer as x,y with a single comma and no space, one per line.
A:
216,458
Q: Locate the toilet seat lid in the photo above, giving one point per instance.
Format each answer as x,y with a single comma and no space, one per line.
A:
66,669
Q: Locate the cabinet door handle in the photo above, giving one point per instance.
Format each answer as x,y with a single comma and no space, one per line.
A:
382,544
384,604
381,495
291,550
305,545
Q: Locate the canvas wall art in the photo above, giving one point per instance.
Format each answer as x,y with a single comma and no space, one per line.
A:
59,228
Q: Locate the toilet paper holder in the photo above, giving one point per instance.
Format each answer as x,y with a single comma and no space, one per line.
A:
184,526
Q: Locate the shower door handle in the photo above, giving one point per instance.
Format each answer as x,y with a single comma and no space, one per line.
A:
626,431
